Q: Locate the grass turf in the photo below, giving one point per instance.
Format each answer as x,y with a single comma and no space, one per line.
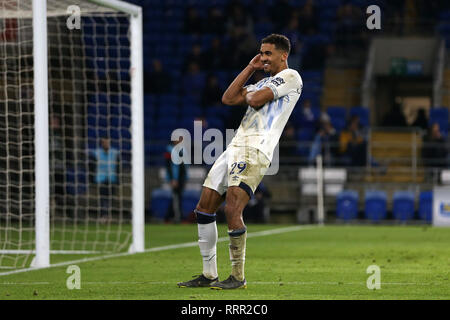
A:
316,263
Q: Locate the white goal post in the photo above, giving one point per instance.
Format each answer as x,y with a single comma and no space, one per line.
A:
82,226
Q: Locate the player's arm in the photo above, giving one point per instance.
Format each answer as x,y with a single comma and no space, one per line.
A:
282,84
236,93
259,98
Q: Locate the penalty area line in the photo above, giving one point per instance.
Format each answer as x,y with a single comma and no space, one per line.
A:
162,248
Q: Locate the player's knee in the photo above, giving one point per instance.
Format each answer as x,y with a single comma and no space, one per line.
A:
232,209
203,208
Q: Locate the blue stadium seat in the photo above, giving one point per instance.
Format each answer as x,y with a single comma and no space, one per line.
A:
167,122
333,4
444,29
305,134
168,111
125,134
114,111
160,201
76,181
263,27
337,111
215,122
316,39
168,99
305,137
187,123
114,133
403,205
189,201
362,113
217,111
426,206
338,117
440,116
347,205
124,122
314,97
191,112
312,75
313,86
444,15
326,24
375,205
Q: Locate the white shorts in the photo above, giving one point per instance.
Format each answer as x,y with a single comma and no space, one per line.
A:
237,166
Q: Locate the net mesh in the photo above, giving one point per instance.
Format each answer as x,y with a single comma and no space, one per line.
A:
89,131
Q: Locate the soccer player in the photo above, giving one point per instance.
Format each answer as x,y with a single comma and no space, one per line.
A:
240,168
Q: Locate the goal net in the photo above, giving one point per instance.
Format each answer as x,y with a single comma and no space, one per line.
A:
94,129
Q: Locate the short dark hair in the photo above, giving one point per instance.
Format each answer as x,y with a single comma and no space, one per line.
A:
281,42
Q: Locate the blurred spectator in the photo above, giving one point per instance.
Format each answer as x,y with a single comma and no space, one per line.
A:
394,13
411,16
212,93
395,118
288,145
308,19
242,47
105,161
291,31
307,118
193,23
316,55
215,22
281,13
214,58
428,12
260,11
421,120
158,80
193,81
349,26
434,152
176,175
352,144
325,143
194,56
238,18
255,211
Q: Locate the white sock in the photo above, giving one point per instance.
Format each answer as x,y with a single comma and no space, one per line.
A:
207,241
238,240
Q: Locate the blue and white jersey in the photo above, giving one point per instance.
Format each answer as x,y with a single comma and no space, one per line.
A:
262,128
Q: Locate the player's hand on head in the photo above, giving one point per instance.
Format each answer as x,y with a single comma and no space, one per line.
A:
256,62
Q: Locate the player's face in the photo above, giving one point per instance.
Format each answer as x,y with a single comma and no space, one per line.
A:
271,58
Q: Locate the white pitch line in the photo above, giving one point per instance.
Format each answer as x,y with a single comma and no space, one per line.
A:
295,283
169,247
363,283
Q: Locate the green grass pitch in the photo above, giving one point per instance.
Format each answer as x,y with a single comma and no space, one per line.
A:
313,263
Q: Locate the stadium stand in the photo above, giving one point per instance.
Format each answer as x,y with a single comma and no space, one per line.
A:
331,60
